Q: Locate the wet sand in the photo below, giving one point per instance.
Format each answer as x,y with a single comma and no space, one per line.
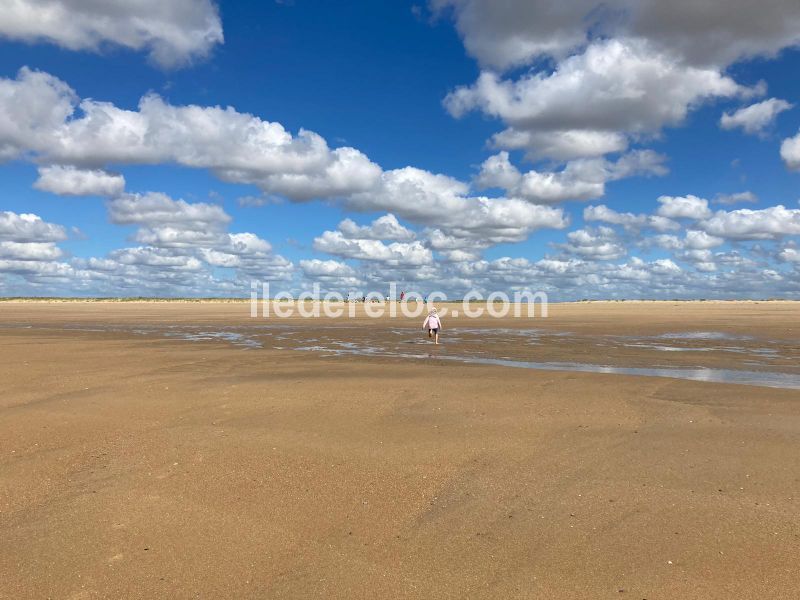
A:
139,465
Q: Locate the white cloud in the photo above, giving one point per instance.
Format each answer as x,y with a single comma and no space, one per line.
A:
248,253
177,237
578,278
244,244
332,273
28,248
395,254
386,227
32,108
581,179
754,119
665,266
700,240
746,224
326,268
736,198
790,152
683,207
29,228
438,201
69,181
668,242
29,251
498,172
554,187
791,255
346,171
38,270
629,221
614,87
599,243
173,33
454,248
156,257
39,117
242,148
561,144
459,255
505,33
155,209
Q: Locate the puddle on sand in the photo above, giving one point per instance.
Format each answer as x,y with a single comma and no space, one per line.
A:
702,335
757,378
237,339
734,376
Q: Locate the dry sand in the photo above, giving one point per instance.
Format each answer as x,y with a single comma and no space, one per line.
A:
141,467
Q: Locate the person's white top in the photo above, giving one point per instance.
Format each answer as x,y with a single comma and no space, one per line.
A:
432,321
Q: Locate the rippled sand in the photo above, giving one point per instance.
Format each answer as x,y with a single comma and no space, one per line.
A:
182,450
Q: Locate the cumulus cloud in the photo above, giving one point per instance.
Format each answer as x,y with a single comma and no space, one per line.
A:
506,33
395,254
332,273
668,242
498,172
614,88
575,277
439,201
454,248
178,235
700,240
32,108
156,209
683,207
754,119
605,74
243,148
69,181
29,228
42,118
628,220
172,33
791,255
156,257
580,179
561,144
38,270
29,251
32,263
746,224
790,152
601,243
28,248
386,227
326,268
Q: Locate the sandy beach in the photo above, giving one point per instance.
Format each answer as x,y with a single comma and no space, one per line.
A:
176,450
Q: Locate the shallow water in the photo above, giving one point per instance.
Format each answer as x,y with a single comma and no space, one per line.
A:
757,378
759,362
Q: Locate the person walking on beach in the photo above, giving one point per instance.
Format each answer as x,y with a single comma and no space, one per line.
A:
433,324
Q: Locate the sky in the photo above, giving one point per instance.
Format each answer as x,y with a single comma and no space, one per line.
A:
600,150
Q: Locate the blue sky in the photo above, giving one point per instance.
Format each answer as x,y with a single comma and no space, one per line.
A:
617,174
